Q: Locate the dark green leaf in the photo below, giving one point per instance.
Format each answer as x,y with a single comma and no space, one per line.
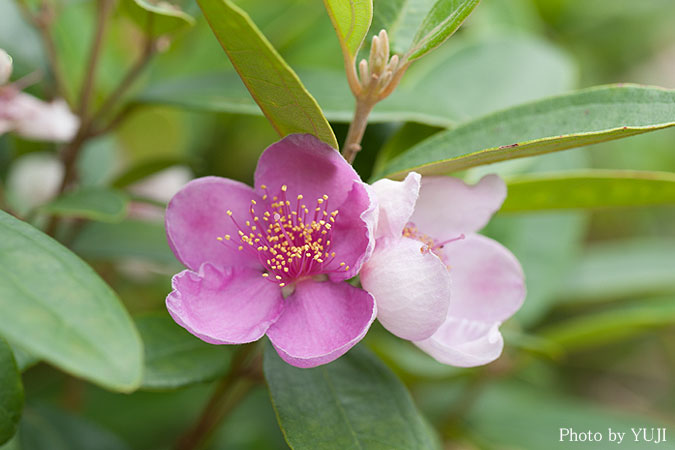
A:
175,358
444,18
589,189
353,402
274,86
94,203
11,393
574,120
57,308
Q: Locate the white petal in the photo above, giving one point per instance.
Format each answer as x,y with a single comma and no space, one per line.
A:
42,121
5,67
397,202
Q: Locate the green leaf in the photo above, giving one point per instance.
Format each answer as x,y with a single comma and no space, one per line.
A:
48,428
353,402
128,239
445,17
159,17
11,393
93,203
589,189
529,69
58,309
582,118
592,330
351,19
620,269
145,169
175,358
24,360
272,83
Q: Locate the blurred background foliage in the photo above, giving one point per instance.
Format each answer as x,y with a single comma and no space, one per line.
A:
594,345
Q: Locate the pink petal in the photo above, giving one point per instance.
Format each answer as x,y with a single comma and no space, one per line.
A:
411,287
197,216
306,166
464,343
488,283
321,322
352,239
447,207
397,202
224,306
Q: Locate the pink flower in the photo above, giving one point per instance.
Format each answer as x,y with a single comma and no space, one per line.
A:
274,259
30,117
435,281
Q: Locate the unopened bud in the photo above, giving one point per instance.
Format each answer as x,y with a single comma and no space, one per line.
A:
5,67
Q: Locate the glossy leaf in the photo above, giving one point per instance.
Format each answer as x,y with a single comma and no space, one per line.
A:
94,203
353,402
529,69
11,393
351,19
582,118
444,18
58,309
589,189
592,330
128,239
175,358
620,269
272,83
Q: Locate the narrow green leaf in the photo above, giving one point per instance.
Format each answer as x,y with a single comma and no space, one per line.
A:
94,203
582,118
445,17
57,308
127,239
592,330
272,83
11,393
589,189
353,402
351,19
175,358
159,17
621,269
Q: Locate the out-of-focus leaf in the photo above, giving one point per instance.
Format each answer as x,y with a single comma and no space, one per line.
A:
272,83
47,428
145,169
128,239
529,69
11,393
592,330
159,17
351,19
353,402
175,358
521,417
94,203
620,269
444,18
589,189
58,309
24,360
582,118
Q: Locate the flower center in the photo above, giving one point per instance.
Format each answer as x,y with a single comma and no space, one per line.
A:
431,245
289,239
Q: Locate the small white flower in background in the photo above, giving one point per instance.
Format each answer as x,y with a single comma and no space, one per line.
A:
31,117
34,179
159,187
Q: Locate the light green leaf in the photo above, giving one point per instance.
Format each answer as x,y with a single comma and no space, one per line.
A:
401,19
353,402
159,17
351,19
128,239
24,360
592,330
529,69
57,308
589,189
175,358
272,83
11,393
445,17
621,269
94,203
582,118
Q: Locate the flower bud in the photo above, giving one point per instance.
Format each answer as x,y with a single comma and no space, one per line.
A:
5,67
